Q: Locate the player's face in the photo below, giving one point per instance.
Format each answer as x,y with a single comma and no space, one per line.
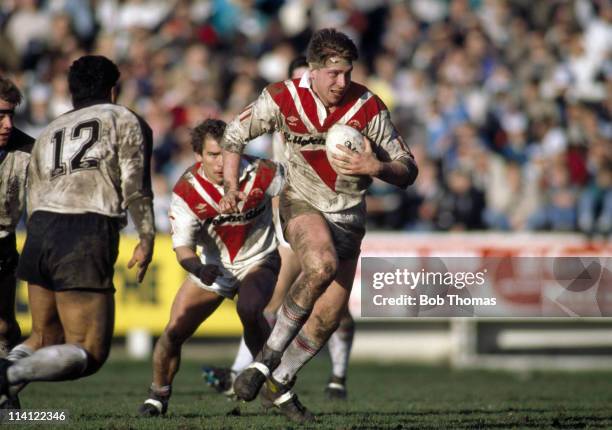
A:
331,83
212,160
7,110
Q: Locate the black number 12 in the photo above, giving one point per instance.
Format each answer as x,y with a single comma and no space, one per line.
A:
78,161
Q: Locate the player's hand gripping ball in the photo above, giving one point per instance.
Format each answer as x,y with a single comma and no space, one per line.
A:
340,134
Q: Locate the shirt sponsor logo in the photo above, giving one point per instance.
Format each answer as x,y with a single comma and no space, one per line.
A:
296,139
233,218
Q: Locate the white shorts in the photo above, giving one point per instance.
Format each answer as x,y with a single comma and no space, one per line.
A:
228,283
278,229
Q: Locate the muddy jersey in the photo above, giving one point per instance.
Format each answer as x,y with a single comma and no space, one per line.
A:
14,159
293,109
93,159
231,240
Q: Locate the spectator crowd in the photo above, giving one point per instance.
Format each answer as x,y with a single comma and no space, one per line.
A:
506,104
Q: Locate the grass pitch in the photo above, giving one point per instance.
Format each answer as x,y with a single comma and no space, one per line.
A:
381,396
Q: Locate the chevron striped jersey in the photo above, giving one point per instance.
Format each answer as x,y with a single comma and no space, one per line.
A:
292,108
230,240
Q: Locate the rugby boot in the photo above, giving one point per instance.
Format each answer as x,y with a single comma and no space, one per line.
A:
220,379
249,381
264,395
155,405
279,396
336,388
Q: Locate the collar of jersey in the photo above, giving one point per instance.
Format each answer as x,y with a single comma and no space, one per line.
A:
321,109
91,102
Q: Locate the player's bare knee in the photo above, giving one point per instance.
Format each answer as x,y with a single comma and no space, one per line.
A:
174,335
320,271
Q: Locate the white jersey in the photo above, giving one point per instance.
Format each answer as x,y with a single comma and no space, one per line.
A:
293,109
93,159
232,241
14,159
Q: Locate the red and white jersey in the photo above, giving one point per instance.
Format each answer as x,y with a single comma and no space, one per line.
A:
292,108
230,240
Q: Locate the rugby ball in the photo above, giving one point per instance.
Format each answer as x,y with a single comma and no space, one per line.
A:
341,134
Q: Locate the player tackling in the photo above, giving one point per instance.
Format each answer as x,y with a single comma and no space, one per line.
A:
322,208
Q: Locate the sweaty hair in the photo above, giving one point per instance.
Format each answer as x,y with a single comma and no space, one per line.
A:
327,43
213,128
92,77
296,63
9,92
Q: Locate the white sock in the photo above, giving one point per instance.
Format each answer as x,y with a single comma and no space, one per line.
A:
340,344
298,353
19,352
289,322
243,357
52,363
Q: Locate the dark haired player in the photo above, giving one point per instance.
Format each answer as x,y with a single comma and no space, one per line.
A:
238,254
15,147
87,167
323,212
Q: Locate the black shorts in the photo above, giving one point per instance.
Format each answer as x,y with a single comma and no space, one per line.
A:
70,251
8,256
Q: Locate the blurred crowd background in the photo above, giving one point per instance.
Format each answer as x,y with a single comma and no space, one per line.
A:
506,104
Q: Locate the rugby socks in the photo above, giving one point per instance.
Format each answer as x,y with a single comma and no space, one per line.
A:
340,344
52,363
270,317
299,352
243,357
19,352
290,320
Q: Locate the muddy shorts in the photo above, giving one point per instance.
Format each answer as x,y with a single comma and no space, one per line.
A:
70,251
347,227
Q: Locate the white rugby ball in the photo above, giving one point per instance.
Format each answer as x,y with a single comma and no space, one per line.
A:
345,135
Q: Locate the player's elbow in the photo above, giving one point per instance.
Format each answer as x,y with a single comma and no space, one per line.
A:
410,175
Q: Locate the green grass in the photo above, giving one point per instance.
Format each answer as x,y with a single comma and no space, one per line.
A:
381,396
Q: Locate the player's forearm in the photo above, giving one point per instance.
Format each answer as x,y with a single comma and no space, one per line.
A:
188,259
141,212
231,165
399,173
